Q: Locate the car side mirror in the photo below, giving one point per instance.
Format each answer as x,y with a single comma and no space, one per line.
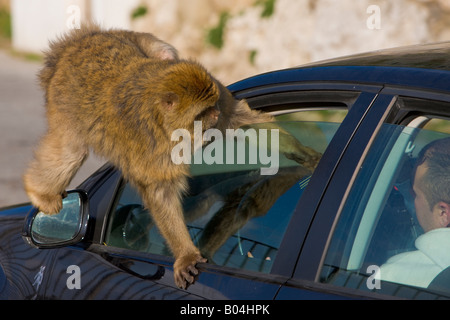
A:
68,227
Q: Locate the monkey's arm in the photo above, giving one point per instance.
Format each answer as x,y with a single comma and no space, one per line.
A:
197,206
163,200
293,149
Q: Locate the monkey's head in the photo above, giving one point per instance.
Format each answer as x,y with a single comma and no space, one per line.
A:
188,93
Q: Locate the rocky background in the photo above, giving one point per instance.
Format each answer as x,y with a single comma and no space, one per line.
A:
239,38
234,39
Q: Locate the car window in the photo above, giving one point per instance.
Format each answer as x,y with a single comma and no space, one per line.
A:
385,239
336,115
439,125
236,215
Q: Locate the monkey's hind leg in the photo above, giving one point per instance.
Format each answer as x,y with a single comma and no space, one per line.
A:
57,159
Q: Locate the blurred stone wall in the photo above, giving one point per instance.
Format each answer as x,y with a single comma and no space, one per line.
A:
294,33
238,38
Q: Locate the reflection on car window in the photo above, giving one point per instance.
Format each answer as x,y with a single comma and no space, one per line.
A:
336,115
235,215
393,234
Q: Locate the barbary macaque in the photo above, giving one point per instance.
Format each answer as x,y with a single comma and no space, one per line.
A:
122,94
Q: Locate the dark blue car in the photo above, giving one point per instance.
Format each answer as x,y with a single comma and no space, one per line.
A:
347,230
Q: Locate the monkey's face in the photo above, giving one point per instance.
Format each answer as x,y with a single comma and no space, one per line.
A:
189,94
208,117
182,114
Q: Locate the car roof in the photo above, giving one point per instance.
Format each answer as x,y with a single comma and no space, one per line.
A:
426,56
420,66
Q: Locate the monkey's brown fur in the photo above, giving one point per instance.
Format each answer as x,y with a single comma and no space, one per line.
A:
122,94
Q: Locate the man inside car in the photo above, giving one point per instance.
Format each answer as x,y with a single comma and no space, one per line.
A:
431,188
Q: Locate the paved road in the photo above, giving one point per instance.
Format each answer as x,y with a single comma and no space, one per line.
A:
22,123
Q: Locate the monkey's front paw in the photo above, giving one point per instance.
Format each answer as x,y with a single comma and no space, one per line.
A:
306,156
294,150
185,270
48,204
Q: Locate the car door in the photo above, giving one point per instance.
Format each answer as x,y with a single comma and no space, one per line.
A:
249,264
124,257
366,239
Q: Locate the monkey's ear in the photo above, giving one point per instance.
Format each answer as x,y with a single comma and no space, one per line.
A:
170,100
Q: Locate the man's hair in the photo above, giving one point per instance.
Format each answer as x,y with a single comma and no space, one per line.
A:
435,183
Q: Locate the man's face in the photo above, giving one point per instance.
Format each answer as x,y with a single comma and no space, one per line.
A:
429,218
